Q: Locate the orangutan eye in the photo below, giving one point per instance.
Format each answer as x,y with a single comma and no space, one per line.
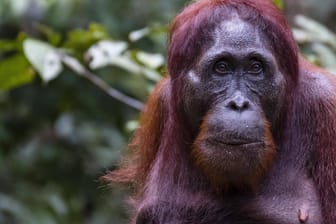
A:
256,68
222,67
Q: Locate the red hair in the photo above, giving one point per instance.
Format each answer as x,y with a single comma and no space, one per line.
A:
191,30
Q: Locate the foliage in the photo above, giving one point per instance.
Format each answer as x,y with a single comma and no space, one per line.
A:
279,3
65,142
317,42
64,118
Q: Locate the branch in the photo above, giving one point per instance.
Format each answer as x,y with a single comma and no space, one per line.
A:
79,69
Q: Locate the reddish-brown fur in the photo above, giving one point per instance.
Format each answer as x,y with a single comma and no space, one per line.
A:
221,181
160,165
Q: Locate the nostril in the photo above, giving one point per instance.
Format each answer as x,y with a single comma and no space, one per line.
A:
232,105
246,105
239,105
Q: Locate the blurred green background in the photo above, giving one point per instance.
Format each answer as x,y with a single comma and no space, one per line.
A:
60,128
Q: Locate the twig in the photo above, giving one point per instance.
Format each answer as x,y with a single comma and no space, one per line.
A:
79,69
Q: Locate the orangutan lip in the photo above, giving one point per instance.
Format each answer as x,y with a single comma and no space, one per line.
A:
236,143
244,144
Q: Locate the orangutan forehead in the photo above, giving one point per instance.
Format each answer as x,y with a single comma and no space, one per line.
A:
237,33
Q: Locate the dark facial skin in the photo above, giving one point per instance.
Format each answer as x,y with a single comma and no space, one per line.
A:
239,68
238,87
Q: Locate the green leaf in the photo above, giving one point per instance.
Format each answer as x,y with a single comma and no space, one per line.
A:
115,53
105,53
53,37
21,37
80,40
8,45
153,61
15,71
138,34
44,58
279,3
13,45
